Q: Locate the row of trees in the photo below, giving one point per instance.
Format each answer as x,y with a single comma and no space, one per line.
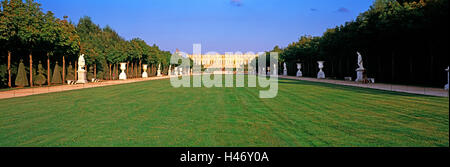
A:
27,33
401,41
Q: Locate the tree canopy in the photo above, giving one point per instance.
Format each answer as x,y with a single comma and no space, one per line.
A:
26,29
401,41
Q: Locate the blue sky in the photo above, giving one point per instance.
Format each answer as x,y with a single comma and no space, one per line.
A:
219,25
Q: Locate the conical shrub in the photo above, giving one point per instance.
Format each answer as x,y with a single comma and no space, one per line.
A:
21,79
56,79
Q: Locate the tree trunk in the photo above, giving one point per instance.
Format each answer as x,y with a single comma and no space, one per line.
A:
110,74
132,70
31,69
9,69
64,70
48,70
140,67
95,71
128,66
136,71
393,67
76,71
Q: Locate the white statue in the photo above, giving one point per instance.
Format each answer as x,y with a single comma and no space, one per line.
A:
123,75
284,69
321,74
299,68
360,70
81,63
81,70
159,70
144,74
360,61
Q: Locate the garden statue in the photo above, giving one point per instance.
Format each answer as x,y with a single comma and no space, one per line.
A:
284,69
360,70
321,74
123,75
40,78
159,70
144,74
299,68
81,70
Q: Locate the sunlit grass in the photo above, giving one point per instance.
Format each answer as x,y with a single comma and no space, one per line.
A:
153,113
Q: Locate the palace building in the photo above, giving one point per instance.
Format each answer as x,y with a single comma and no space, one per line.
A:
220,61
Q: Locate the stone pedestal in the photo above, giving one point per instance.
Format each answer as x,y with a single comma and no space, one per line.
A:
82,77
123,75
144,74
299,68
360,74
321,74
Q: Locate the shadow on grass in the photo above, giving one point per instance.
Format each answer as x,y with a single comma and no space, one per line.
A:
353,88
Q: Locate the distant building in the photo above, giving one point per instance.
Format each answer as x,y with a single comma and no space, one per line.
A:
219,61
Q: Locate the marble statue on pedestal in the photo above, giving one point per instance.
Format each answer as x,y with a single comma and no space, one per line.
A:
448,78
123,75
284,69
321,74
81,70
145,74
175,72
299,68
360,70
181,71
159,70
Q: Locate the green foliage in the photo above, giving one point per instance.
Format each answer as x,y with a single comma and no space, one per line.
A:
21,79
40,78
70,72
25,28
57,79
90,73
401,41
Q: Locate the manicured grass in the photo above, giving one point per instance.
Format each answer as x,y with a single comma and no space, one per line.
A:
153,113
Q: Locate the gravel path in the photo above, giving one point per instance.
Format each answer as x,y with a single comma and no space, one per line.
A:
60,88
380,86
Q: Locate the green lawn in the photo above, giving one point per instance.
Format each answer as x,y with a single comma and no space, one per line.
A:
153,113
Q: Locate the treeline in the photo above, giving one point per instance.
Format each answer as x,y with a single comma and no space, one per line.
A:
401,41
46,44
